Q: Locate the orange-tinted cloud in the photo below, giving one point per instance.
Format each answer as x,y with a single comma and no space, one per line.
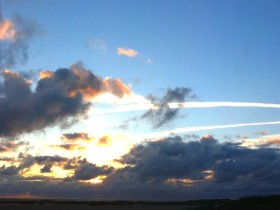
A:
115,87
104,141
127,52
7,30
46,74
10,146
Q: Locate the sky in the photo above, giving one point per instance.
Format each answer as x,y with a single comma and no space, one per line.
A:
139,100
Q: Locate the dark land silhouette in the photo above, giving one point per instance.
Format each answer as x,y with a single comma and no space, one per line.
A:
271,202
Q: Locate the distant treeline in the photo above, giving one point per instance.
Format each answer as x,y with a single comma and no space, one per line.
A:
271,202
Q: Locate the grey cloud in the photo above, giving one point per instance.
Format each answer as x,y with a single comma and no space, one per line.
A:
76,136
163,115
46,168
86,171
10,146
157,170
8,171
60,98
230,166
15,51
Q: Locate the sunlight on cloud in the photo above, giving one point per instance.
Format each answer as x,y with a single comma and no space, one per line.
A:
46,74
7,30
56,172
95,181
127,52
264,141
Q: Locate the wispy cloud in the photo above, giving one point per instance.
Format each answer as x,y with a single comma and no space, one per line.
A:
149,61
203,128
97,44
127,52
146,106
15,35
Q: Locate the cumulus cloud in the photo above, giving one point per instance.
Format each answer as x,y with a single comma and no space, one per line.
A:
205,165
15,35
61,98
163,114
127,52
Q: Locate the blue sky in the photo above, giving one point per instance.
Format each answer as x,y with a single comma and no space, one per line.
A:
224,51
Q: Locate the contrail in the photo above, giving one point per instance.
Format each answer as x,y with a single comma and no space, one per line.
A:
202,128
146,106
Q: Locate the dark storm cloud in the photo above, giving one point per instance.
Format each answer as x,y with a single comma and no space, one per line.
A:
60,98
14,44
164,114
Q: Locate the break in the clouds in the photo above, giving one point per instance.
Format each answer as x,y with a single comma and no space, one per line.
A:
127,52
163,114
60,98
15,35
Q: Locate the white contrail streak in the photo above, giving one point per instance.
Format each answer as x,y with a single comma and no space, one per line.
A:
139,107
202,128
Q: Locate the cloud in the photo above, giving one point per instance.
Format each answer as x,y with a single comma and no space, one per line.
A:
87,171
61,98
209,168
264,141
76,136
162,134
149,61
10,146
69,147
15,35
7,30
103,141
96,44
127,52
171,168
181,105
163,114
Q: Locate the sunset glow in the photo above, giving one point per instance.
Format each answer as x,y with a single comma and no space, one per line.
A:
139,100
